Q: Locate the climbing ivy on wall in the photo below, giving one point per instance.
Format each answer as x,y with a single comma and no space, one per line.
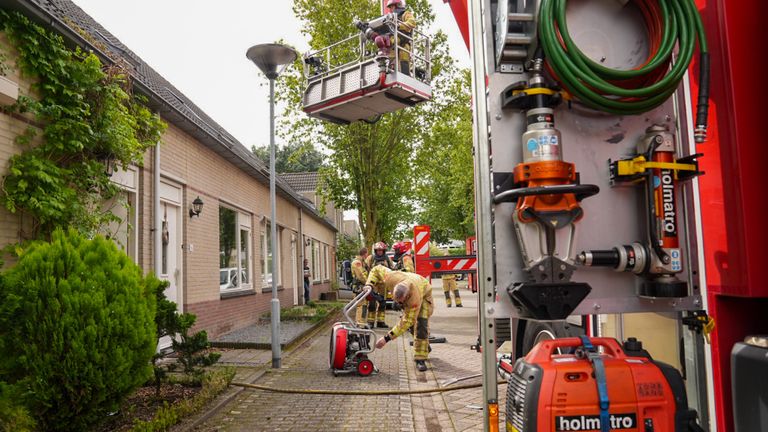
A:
88,113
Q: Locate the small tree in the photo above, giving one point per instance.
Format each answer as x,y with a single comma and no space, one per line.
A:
77,329
191,347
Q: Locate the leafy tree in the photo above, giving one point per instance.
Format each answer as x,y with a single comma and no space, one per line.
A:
446,189
77,329
370,167
292,158
347,247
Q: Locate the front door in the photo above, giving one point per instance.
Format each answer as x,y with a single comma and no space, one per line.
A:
170,249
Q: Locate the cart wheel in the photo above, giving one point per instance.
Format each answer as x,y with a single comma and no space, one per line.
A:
335,372
365,367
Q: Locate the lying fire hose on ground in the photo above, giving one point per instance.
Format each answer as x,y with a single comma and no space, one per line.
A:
361,392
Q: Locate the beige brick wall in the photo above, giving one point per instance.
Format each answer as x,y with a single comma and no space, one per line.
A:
199,172
11,126
217,182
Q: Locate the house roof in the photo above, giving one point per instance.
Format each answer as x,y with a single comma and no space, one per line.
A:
68,19
302,181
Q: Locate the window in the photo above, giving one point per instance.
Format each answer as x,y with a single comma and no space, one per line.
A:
123,232
124,206
316,264
325,262
266,255
234,250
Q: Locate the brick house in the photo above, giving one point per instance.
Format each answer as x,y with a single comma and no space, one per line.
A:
217,262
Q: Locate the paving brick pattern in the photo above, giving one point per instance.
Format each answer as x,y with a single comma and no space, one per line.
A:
306,367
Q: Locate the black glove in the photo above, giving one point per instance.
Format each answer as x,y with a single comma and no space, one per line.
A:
362,25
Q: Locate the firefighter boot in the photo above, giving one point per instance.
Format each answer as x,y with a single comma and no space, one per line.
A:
380,316
421,365
448,299
457,298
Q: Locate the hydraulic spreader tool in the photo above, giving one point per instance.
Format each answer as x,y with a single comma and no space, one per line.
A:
547,194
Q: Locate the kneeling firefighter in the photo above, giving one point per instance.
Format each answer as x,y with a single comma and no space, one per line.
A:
414,294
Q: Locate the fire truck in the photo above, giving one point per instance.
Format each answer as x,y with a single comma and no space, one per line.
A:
614,202
718,272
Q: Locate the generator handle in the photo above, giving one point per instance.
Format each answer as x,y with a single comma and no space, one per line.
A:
354,302
544,350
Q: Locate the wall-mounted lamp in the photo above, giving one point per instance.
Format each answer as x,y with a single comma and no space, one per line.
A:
197,207
110,164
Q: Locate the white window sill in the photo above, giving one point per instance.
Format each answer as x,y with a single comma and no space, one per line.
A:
230,293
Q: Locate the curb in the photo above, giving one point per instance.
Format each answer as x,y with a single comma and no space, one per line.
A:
267,346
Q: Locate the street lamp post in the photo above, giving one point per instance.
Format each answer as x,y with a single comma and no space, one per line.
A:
271,59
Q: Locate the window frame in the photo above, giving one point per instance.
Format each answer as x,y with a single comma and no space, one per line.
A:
266,232
242,224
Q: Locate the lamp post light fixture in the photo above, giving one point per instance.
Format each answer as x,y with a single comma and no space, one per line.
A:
272,59
197,208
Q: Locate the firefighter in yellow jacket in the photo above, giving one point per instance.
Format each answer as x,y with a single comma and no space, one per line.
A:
377,301
414,293
360,276
407,22
449,284
403,259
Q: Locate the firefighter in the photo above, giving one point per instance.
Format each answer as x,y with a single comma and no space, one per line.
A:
449,284
377,301
403,259
407,22
414,293
359,277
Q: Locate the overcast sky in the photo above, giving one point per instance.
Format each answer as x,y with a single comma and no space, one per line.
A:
199,46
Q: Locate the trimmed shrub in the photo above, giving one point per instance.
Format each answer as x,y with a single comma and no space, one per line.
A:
78,329
13,416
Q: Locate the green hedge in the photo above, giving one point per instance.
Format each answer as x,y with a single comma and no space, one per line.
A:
77,329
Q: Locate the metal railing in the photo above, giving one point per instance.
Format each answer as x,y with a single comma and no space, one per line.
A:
356,49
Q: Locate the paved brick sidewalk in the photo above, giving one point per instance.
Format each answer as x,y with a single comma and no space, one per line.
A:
307,367
455,362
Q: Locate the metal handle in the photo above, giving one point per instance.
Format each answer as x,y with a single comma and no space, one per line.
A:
581,191
353,304
545,349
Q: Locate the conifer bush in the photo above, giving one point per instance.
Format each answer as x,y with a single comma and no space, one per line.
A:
77,329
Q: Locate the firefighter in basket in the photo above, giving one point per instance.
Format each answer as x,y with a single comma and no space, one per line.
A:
377,300
414,294
406,25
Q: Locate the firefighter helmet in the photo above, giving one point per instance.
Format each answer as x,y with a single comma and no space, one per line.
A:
380,246
400,247
396,3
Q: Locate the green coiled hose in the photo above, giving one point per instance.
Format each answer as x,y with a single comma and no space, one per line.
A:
600,87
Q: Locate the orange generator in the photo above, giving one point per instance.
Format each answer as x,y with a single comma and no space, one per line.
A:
589,389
